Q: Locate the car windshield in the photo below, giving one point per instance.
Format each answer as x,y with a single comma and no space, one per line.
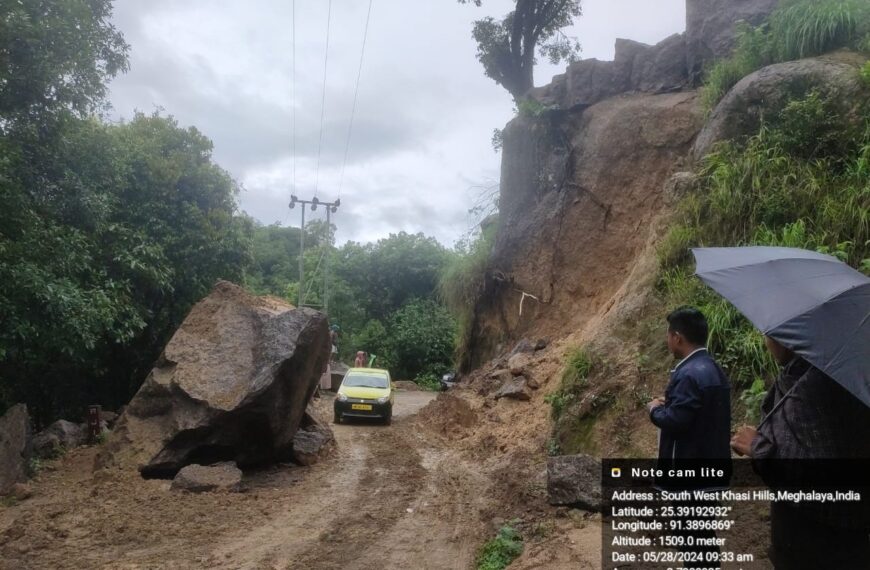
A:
365,381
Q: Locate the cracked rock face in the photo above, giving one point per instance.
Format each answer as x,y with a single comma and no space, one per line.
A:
231,385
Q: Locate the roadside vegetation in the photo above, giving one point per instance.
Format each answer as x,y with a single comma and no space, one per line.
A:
803,181
499,552
461,284
796,29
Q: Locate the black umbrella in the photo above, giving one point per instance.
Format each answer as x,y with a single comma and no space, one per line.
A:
812,303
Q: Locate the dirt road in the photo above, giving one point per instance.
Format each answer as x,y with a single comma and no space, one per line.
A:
390,497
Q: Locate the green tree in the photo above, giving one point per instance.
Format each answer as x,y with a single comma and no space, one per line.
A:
276,254
108,234
56,58
421,339
506,47
392,271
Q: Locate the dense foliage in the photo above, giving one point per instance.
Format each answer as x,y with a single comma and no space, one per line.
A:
796,29
803,181
380,294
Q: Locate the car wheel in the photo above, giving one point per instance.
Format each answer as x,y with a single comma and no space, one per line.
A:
336,418
388,420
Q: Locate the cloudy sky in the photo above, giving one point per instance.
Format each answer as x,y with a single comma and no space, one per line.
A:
420,146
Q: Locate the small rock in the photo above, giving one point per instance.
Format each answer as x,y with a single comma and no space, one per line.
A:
517,364
533,384
21,491
574,480
500,374
311,444
541,344
514,389
202,478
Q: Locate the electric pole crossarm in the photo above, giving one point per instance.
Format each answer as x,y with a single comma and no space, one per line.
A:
331,208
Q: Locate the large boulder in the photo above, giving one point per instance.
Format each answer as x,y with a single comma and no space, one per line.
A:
15,447
231,385
575,481
194,478
711,27
59,436
764,93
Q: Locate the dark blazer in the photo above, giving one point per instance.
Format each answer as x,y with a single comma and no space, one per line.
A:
695,421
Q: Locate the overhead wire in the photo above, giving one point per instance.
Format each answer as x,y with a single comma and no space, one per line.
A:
292,101
323,100
293,80
355,95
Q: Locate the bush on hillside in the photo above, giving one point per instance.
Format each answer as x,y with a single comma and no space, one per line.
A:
803,181
461,284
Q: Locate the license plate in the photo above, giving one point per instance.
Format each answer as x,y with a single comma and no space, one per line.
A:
366,407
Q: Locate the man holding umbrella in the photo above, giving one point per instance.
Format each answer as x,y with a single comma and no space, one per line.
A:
815,313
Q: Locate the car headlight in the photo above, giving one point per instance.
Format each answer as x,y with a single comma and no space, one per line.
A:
341,397
383,400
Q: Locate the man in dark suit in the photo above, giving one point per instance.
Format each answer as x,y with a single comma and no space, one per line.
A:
694,419
695,415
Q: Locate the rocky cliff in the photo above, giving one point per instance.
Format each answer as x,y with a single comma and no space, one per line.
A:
583,182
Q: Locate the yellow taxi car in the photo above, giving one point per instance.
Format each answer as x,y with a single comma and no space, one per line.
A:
365,393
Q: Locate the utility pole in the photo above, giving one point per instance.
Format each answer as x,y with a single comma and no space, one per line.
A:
331,208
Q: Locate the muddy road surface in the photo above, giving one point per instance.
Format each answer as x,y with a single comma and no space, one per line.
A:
388,497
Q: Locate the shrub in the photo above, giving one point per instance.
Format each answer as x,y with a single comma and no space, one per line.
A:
752,399
499,552
865,73
578,365
428,381
461,284
558,401
531,108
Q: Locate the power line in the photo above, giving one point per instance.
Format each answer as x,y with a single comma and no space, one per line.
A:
323,99
355,93
293,81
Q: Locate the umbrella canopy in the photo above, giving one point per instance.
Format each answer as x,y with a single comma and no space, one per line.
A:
809,302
